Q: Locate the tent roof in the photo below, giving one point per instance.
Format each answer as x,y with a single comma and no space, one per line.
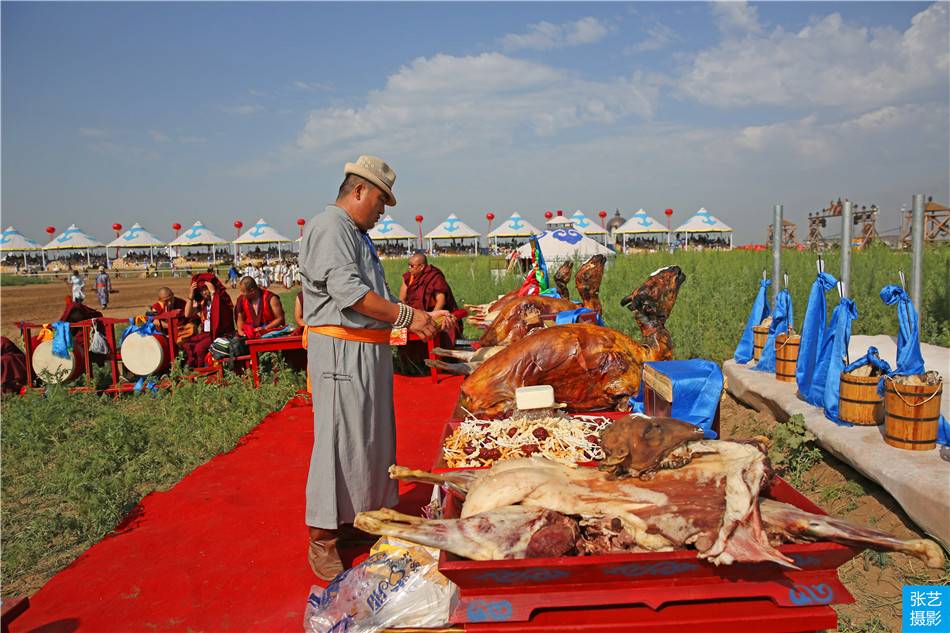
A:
261,233
641,222
515,226
561,244
197,235
72,237
136,237
560,220
935,206
13,240
452,227
585,225
389,229
703,222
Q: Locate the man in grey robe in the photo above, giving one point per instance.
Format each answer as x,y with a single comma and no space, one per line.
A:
351,379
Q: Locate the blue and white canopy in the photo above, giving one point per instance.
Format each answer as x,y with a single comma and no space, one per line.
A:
261,233
515,226
197,235
561,244
136,237
389,229
640,222
452,228
73,238
585,225
703,222
12,240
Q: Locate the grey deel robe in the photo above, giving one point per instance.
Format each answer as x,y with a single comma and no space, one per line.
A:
354,424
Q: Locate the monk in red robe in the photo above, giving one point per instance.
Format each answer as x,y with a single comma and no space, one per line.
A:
167,302
209,307
424,288
258,310
12,366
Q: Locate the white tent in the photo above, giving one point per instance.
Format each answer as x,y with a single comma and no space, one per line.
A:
388,229
452,228
639,224
198,235
704,222
585,225
12,241
515,226
261,233
560,222
561,244
136,237
74,239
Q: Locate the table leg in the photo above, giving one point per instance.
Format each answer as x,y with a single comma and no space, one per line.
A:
433,372
255,369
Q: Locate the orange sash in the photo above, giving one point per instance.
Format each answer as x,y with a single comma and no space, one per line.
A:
361,335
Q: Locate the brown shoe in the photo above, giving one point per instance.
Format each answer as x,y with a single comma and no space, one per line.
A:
322,554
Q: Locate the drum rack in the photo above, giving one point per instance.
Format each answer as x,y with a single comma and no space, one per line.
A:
115,356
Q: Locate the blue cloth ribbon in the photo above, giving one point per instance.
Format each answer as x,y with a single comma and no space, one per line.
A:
760,310
697,388
62,340
372,249
813,331
141,385
573,316
873,359
910,362
146,329
281,332
782,319
831,359
551,292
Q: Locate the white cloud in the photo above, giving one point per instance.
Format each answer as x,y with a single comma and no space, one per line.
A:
120,150
736,17
544,36
91,132
312,86
158,137
827,63
659,36
243,109
445,103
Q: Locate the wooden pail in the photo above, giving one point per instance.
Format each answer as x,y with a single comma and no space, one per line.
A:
911,415
858,402
760,334
786,356
50,368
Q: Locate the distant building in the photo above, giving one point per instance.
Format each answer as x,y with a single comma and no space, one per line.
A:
615,222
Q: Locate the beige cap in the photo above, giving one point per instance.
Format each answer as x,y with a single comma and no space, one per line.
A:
375,170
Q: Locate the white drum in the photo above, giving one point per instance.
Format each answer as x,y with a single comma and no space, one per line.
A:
144,354
51,369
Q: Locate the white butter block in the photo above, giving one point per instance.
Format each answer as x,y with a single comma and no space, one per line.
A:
534,397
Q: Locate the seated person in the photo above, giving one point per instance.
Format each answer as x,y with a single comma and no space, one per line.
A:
209,308
298,313
424,288
258,310
167,301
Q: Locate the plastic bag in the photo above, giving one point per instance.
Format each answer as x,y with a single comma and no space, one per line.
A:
97,342
399,585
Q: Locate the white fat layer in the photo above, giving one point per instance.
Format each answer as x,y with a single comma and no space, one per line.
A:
659,270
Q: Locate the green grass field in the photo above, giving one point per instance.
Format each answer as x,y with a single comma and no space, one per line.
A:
715,300
23,280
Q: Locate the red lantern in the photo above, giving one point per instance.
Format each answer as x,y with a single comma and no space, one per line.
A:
560,212
419,218
548,215
602,214
50,229
238,224
301,221
489,216
176,226
116,227
668,212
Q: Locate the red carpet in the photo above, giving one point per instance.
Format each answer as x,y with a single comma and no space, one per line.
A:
225,549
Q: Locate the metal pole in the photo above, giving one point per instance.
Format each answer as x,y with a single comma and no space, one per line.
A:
776,249
917,253
846,249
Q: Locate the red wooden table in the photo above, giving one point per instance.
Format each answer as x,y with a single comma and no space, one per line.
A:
257,346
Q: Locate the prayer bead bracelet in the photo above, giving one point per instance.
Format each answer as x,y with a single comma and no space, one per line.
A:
404,318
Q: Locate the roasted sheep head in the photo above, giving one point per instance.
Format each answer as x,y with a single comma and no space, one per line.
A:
562,276
639,446
652,302
587,280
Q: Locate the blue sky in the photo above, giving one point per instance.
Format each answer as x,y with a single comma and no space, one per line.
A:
165,112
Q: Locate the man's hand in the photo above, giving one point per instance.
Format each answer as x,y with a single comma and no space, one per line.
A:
422,325
444,319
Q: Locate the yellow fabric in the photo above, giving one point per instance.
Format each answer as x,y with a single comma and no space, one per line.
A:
46,334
